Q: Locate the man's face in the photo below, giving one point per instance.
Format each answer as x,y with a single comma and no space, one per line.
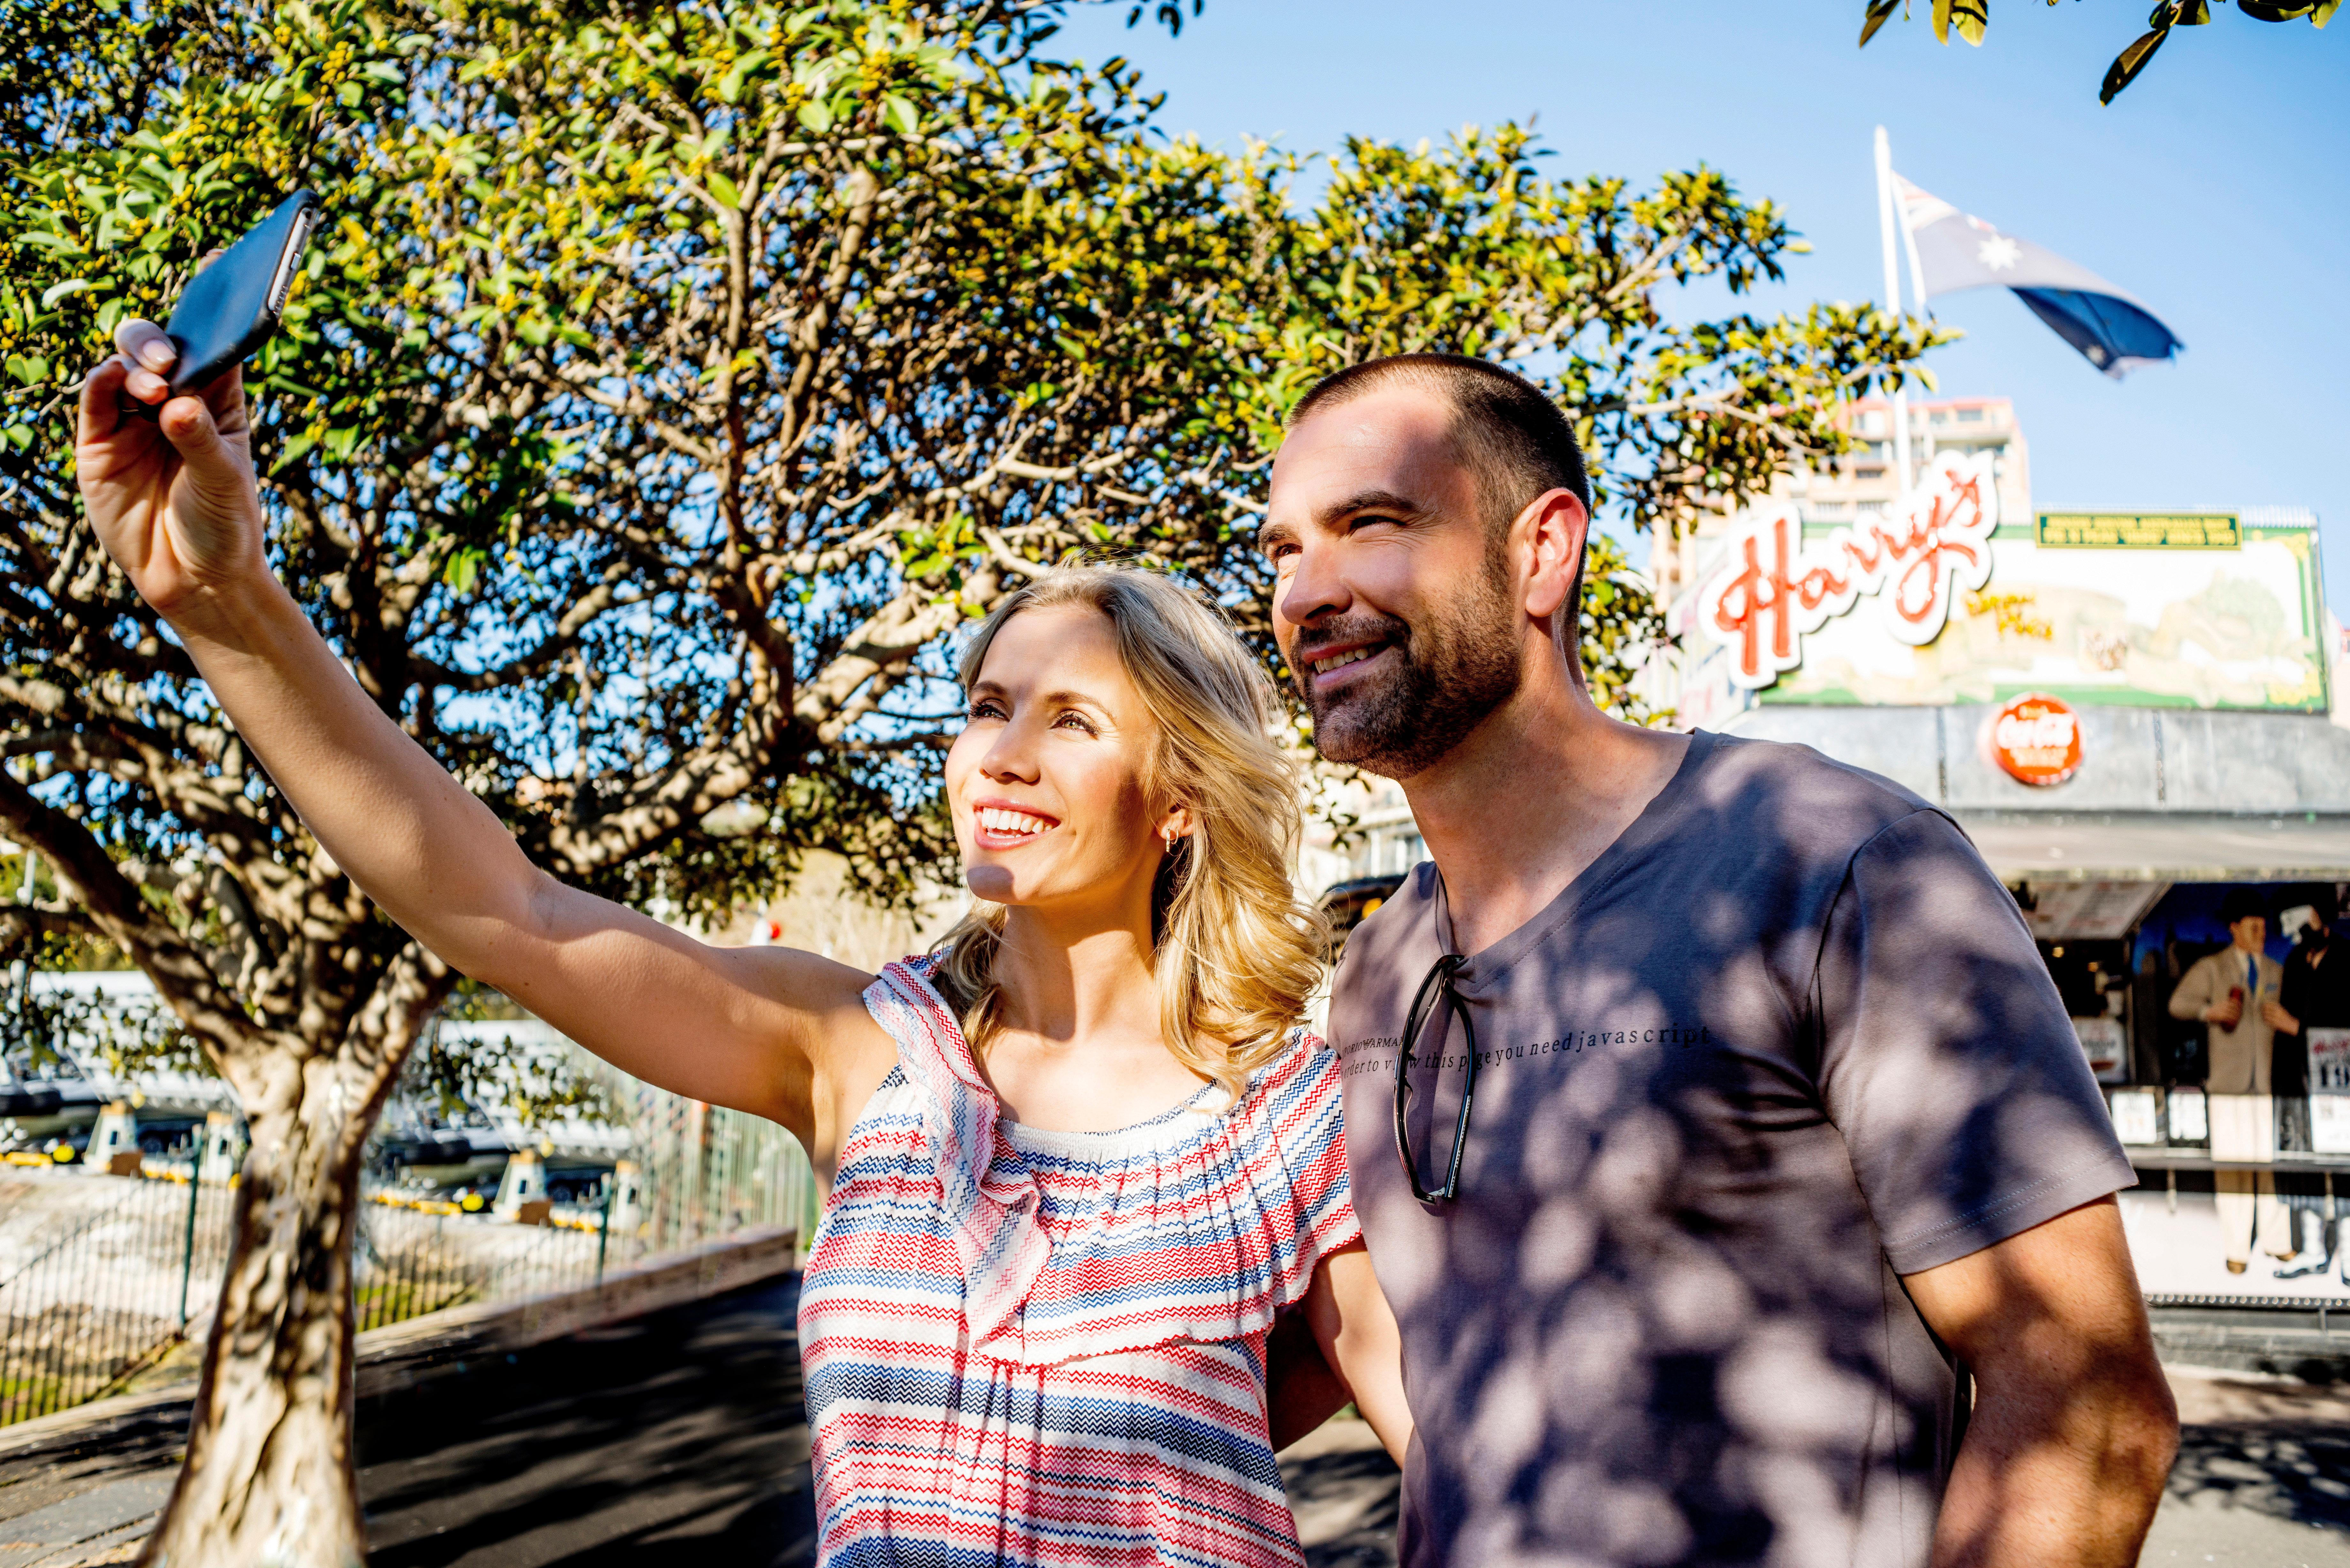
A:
1394,607
2251,932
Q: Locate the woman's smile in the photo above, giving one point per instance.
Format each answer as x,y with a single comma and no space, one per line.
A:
1003,824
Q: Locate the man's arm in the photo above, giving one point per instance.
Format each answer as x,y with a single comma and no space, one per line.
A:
2073,1426
2283,1011
1357,1334
1300,1392
2194,996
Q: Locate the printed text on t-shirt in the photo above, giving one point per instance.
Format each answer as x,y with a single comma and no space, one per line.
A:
1377,1053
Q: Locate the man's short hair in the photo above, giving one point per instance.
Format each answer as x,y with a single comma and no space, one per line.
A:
1515,444
1513,440
2242,904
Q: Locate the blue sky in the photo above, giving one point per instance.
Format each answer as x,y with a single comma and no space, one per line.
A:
2214,189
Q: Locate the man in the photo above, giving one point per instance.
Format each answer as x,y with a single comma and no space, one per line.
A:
2232,992
2312,995
1774,1098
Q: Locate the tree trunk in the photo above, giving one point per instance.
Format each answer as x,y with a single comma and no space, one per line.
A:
268,1481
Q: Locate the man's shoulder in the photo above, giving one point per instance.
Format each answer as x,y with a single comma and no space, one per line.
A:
1402,912
1775,797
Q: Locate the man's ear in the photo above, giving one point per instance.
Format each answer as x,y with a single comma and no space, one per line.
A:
1551,530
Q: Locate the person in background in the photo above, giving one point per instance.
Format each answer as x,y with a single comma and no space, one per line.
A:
2313,992
2313,995
2231,991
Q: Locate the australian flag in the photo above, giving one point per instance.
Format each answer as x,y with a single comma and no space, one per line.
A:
1953,251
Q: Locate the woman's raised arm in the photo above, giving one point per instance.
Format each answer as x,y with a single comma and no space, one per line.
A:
175,503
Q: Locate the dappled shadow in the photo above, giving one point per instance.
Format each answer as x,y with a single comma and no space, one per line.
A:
2301,1474
1359,1487
1659,1324
681,1433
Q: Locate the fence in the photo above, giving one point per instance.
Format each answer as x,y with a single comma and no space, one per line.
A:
706,1170
107,1293
113,1282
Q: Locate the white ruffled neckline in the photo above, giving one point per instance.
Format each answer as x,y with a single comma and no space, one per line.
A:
1237,1268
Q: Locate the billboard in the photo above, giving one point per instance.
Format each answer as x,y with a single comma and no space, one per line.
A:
1928,606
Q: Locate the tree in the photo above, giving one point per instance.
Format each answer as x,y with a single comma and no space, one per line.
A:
665,387
1970,18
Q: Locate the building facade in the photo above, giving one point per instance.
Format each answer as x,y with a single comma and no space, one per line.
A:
2135,714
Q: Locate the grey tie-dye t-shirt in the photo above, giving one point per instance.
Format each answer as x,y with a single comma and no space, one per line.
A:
1787,1040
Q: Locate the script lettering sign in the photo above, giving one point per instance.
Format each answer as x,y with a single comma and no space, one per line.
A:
1776,588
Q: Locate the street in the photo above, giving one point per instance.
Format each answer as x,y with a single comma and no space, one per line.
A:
680,1437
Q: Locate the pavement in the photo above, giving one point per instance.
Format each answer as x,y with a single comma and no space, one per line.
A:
679,1438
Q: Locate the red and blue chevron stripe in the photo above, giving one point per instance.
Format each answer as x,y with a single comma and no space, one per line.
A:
1048,1348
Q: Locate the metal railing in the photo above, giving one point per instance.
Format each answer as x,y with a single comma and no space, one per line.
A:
109,1293
129,1268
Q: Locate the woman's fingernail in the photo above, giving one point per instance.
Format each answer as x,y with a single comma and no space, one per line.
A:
156,355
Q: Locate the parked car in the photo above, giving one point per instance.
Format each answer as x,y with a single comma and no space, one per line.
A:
1349,904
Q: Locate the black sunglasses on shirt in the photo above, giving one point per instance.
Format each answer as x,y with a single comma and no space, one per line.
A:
1435,992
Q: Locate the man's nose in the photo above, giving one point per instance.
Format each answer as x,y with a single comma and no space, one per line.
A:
1315,586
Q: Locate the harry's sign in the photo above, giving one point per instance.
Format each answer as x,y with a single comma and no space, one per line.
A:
1776,588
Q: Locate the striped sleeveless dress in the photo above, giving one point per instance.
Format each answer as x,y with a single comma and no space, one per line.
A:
1026,1347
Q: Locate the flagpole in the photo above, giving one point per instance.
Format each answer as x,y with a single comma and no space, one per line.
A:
1885,221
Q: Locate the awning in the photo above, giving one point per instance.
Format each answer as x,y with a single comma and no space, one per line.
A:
2166,846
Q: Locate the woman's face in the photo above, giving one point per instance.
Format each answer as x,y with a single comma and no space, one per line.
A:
1046,778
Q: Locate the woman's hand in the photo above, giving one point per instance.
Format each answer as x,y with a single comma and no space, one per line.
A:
173,501
780,1034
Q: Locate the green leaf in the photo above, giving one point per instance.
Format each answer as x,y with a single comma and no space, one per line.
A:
56,291
729,86
722,191
898,113
815,116
294,452
2132,60
464,569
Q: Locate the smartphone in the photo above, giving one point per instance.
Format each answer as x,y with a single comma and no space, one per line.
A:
231,307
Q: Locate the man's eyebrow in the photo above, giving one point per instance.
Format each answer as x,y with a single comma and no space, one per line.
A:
1370,501
1271,532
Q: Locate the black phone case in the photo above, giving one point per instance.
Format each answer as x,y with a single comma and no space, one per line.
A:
231,307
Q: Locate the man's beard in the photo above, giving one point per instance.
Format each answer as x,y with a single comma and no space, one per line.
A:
1455,665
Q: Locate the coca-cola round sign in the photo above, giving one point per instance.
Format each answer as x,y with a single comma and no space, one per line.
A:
2037,740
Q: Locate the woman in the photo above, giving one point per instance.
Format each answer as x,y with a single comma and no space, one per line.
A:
1078,1159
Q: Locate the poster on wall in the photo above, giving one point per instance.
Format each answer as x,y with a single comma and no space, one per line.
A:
2329,1091
2191,1120
2106,1047
2134,1117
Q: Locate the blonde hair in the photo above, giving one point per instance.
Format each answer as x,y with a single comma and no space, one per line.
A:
1236,952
